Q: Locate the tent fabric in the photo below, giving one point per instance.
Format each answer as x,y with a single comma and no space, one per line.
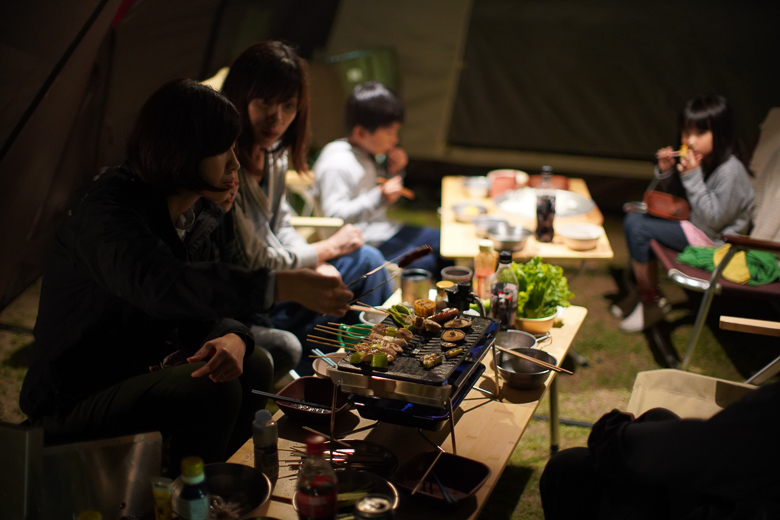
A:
607,78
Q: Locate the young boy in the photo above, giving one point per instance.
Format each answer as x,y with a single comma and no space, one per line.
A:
352,185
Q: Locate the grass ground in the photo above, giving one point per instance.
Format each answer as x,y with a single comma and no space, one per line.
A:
614,359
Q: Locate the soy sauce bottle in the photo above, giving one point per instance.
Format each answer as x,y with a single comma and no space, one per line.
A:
545,206
316,496
503,292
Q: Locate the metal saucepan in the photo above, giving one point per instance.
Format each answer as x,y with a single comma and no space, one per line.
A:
517,372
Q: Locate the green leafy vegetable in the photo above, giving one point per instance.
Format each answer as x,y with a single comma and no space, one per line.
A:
541,289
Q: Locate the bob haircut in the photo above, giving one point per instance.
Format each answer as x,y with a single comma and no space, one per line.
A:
272,71
182,123
711,112
372,105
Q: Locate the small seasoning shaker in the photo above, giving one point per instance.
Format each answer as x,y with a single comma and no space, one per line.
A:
265,436
441,294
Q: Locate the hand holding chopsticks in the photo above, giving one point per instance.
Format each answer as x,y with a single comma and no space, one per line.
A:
539,362
406,192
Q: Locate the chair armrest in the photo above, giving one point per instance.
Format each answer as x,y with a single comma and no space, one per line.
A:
317,222
744,242
763,327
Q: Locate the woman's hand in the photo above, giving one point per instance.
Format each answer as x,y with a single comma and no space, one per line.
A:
396,160
391,189
665,159
227,358
322,294
343,242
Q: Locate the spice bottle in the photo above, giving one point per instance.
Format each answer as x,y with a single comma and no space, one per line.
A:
503,292
441,294
194,498
545,206
316,496
484,267
265,435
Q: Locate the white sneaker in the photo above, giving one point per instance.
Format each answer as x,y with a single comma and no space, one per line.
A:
617,311
642,318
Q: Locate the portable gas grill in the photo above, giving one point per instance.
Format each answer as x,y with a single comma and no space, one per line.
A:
408,394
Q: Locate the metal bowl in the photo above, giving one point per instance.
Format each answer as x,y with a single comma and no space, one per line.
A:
523,374
467,211
509,237
484,223
237,484
515,338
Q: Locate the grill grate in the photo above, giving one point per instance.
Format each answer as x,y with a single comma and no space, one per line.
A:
407,365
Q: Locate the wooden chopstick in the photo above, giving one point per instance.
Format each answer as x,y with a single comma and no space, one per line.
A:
406,192
539,362
367,309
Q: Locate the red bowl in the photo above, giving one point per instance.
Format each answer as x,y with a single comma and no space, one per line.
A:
315,390
462,477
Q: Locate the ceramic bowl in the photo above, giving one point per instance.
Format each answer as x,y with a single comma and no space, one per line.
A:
477,187
535,325
580,236
322,368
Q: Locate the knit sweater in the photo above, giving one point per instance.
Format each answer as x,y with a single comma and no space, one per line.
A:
720,205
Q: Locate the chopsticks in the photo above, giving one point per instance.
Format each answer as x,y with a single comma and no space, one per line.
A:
539,362
406,192
277,397
367,308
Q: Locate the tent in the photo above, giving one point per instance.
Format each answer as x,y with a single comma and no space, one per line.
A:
587,86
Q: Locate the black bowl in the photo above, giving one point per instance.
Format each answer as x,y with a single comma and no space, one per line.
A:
317,391
237,484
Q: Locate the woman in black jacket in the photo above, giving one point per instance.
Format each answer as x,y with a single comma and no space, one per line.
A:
120,295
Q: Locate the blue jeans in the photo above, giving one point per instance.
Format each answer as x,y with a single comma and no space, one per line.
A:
410,238
301,321
640,228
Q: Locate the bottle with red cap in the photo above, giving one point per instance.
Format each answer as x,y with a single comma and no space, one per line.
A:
316,496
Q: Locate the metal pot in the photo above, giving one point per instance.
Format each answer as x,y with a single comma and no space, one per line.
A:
517,372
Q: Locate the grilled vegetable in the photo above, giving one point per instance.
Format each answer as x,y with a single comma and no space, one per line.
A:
355,358
379,360
445,345
451,353
453,335
458,323
424,307
430,360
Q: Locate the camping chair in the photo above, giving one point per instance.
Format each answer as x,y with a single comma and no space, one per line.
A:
712,284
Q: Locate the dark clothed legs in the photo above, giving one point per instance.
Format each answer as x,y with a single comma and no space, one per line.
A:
196,414
640,228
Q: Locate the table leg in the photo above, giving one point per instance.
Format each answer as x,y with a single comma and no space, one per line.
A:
554,423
